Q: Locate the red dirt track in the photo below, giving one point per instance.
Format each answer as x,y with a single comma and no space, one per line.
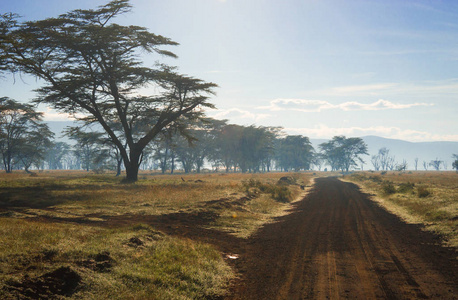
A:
336,243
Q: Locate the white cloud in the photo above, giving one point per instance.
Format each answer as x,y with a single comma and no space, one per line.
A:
378,105
51,115
237,113
323,131
320,105
297,105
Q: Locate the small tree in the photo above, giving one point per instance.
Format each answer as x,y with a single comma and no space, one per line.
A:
56,154
402,166
455,162
436,164
296,153
88,148
33,148
375,160
23,136
344,153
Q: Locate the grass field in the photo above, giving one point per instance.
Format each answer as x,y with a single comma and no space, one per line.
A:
429,198
81,235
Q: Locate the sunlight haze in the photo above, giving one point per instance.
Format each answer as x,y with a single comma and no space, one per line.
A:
316,68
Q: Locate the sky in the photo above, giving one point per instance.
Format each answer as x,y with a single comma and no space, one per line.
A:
314,67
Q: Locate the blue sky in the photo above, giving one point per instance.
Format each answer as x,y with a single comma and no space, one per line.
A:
316,68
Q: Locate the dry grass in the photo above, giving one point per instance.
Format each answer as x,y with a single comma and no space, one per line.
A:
157,267
430,198
44,224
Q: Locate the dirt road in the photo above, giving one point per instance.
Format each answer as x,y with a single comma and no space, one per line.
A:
338,244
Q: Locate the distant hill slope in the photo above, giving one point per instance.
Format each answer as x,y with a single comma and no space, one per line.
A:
424,151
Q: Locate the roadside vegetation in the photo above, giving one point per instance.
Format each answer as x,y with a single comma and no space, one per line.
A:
70,234
429,198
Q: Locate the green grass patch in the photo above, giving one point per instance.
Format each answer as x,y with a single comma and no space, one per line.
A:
124,263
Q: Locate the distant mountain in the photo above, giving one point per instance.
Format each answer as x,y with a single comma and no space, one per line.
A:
424,151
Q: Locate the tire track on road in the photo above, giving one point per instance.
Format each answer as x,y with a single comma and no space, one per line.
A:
337,243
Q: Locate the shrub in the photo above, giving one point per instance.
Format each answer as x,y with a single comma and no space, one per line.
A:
423,191
358,177
375,179
280,193
406,187
388,188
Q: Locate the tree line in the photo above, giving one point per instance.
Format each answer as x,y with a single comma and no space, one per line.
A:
26,141
385,161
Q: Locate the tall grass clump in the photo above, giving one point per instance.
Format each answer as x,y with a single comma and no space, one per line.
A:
278,192
423,191
388,187
406,187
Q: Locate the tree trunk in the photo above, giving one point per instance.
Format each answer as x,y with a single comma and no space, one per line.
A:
172,168
132,166
118,167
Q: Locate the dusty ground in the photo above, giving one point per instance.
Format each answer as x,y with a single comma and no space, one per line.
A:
335,244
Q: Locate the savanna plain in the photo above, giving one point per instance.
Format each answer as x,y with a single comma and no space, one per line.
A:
78,235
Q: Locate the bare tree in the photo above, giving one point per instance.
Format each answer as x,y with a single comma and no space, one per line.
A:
390,163
402,166
375,160
416,163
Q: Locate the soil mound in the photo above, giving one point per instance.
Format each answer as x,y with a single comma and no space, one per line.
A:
63,281
286,180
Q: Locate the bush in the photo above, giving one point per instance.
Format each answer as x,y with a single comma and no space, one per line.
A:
278,192
406,187
423,192
388,188
375,179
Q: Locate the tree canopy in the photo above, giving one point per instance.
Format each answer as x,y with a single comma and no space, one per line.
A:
23,137
343,153
92,66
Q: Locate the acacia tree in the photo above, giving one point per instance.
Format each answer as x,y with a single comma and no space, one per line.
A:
33,147
294,152
22,135
227,146
436,164
343,153
455,162
197,143
92,66
88,148
56,154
